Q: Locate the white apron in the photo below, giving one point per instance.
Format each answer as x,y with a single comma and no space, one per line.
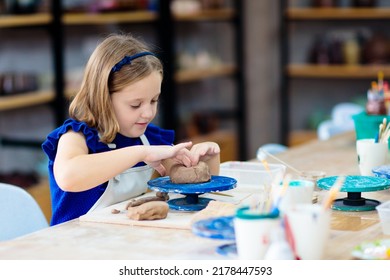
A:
130,183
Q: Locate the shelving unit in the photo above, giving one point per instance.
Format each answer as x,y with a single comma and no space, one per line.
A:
185,76
295,15
51,97
32,98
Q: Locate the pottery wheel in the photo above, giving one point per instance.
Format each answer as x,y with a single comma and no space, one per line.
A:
354,186
191,200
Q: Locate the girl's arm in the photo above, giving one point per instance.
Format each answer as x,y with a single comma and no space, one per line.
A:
209,152
75,170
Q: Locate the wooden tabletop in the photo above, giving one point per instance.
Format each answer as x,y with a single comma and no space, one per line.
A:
91,240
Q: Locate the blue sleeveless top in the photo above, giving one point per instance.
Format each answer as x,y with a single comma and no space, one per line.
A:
71,205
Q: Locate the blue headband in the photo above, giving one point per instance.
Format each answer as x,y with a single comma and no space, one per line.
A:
127,60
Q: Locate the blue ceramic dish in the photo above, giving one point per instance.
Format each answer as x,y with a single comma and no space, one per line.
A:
216,183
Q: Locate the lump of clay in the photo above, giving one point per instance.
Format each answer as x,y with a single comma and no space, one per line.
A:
153,210
181,174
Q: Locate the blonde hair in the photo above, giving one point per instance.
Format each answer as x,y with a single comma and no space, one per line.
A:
92,104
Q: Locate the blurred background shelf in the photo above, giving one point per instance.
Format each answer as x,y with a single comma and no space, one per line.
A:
184,76
328,51
336,71
207,15
337,13
108,18
26,99
9,21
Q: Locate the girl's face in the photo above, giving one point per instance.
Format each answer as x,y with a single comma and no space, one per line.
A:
135,106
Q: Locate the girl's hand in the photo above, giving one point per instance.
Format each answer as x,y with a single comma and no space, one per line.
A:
179,152
204,152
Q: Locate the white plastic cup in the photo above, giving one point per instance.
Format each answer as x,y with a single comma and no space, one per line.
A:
384,216
310,227
370,155
252,231
297,192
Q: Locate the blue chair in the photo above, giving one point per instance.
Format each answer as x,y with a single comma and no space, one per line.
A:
20,214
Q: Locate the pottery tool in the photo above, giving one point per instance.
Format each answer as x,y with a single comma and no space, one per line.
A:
268,204
267,187
335,189
386,131
222,194
262,155
266,166
282,192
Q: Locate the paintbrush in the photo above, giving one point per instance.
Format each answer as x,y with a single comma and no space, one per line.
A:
222,194
382,128
335,189
282,192
386,132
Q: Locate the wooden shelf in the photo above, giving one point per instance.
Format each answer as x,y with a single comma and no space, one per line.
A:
24,20
107,18
25,100
184,76
336,71
337,13
204,15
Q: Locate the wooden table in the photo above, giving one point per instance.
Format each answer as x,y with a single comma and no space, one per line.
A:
89,240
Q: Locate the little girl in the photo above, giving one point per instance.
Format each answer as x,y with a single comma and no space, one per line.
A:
108,148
